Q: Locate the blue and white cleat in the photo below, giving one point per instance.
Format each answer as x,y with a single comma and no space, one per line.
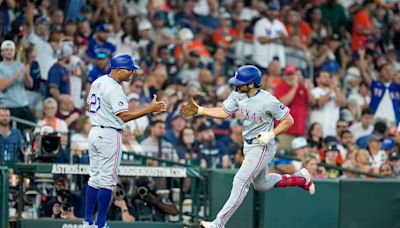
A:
204,224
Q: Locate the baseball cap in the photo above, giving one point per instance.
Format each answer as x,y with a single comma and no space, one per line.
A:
274,5
7,44
289,70
132,96
331,147
299,143
103,28
144,25
245,15
185,34
204,126
159,15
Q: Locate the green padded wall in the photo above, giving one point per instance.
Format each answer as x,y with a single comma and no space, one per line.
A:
293,207
370,204
220,184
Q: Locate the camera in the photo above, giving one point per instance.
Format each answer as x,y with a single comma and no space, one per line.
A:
66,206
64,195
47,145
119,194
143,192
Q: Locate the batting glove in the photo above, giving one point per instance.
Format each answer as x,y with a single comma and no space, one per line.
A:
265,137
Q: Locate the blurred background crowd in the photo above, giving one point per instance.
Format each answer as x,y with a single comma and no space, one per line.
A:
334,63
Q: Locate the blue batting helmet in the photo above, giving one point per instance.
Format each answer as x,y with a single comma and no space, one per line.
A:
124,61
246,75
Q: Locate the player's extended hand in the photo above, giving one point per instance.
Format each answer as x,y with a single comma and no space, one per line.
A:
157,106
191,109
265,137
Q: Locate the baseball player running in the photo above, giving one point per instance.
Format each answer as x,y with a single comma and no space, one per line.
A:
108,112
259,110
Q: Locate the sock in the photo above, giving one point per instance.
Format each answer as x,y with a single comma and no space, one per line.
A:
103,199
91,199
290,180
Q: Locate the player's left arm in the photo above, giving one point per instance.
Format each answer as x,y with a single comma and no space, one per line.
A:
285,124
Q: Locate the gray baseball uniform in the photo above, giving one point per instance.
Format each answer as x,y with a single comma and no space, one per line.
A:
259,113
106,100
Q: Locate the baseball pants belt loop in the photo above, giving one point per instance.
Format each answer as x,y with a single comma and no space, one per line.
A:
249,141
117,129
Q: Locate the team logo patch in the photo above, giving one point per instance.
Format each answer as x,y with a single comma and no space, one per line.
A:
120,103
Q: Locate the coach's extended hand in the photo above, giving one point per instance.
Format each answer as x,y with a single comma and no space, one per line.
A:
190,110
157,106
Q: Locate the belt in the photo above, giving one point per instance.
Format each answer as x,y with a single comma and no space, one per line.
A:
101,126
250,141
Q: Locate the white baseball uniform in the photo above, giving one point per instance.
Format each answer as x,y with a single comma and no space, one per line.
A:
259,113
106,100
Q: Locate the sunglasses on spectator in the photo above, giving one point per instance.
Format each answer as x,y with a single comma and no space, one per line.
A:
341,126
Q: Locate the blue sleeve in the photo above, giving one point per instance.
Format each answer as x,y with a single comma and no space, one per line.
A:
54,76
92,75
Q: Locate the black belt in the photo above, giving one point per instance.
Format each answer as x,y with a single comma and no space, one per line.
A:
117,129
250,141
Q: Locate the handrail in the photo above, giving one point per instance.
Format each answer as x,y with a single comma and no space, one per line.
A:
16,120
333,167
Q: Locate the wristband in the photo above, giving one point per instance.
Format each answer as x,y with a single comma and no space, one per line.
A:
200,111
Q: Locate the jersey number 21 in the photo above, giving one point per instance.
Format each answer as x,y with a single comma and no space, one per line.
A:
94,104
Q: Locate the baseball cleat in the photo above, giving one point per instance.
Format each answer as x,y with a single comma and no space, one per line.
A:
86,225
309,185
204,224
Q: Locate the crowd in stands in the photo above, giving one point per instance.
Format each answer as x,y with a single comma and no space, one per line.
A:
334,63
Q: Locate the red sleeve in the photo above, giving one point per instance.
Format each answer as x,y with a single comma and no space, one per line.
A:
280,91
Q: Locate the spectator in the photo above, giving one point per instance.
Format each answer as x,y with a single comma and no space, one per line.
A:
310,162
335,14
380,129
363,27
315,137
69,201
148,205
27,56
377,155
191,70
79,140
119,210
100,68
270,35
301,150
212,153
50,119
156,146
273,76
363,161
139,125
296,96
361,99
364,127
234,142
59,78
13,79
187,18
321,29
329,99
385,93
129,143
331,155
155,81
394,161
37,32
68,112
177,125
341,125
386,170
187,147
11,140
98,43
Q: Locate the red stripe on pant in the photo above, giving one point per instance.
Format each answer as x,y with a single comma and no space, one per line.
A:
244,187
116,159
